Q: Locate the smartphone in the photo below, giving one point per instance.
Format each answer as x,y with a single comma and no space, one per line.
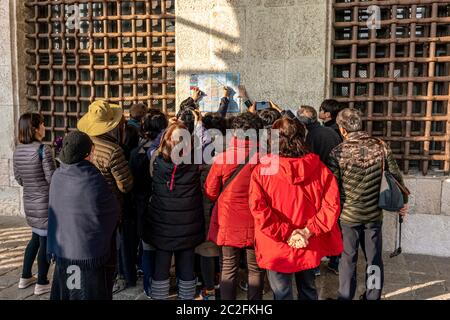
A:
262,105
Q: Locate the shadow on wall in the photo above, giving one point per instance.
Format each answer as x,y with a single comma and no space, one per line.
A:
208,49
278,47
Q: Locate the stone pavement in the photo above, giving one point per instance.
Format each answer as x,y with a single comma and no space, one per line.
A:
407,277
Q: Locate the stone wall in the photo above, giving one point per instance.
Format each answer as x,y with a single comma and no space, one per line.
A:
426,228
279,47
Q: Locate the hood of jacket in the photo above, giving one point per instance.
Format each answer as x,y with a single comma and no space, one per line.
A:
294,170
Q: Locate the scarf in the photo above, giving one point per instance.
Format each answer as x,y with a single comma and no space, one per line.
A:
83,215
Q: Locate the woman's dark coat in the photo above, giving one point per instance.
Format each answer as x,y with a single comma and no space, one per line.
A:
175,218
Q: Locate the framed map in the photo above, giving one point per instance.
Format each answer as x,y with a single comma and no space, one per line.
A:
212,85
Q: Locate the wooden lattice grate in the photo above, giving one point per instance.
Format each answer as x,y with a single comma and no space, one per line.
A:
120,51
398,75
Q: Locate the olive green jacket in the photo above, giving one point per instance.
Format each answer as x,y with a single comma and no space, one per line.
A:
357,165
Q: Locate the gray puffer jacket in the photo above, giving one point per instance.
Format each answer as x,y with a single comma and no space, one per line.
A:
34,174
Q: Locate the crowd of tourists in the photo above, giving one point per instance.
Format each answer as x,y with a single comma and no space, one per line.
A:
123,198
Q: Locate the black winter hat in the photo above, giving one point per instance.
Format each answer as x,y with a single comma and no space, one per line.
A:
76,146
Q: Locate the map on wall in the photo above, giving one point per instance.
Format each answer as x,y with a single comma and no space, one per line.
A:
212,85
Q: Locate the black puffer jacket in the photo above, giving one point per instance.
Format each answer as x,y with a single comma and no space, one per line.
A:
33,169
333,125
357,165
322,140
175,218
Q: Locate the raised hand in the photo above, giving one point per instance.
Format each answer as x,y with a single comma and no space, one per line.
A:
252,108
196,94
242,92
173,120
226,92
197,116
273,105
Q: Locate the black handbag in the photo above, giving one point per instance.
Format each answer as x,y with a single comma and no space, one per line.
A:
391,191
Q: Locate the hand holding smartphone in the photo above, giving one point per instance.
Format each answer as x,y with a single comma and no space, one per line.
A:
197,93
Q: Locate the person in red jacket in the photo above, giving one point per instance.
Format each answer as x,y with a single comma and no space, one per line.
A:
295,210
232,226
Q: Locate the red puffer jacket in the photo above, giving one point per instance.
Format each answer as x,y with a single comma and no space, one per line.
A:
231,221
303,193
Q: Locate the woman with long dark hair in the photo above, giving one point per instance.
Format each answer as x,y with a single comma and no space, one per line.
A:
294,199
33,169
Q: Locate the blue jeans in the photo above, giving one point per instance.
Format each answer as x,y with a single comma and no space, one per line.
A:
281,284
128,250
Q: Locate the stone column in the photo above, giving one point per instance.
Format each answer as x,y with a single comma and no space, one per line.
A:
10,198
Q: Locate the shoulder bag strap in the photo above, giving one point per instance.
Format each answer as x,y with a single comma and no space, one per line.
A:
41,152
237,170
381,143
403,188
